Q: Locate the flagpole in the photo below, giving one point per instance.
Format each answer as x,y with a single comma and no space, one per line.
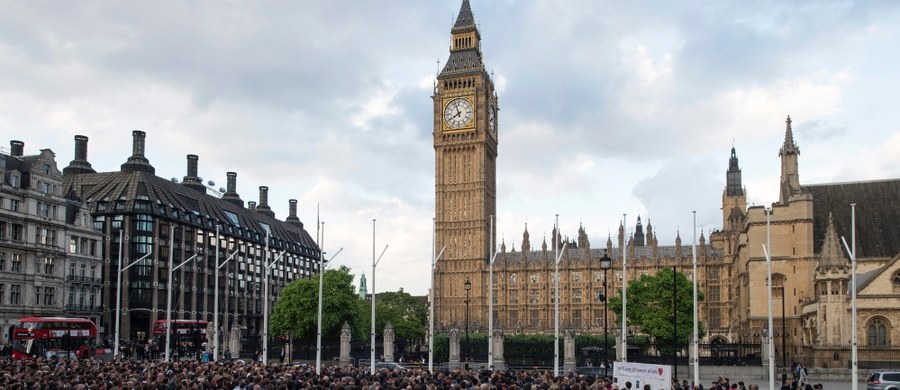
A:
770,334
695,340
556,301
854,358
624,289
491,299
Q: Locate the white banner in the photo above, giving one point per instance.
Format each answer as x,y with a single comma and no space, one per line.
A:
639,374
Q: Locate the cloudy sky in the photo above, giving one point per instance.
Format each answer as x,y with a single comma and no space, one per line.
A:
607,107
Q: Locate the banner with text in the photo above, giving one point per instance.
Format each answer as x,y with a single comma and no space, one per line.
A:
639,374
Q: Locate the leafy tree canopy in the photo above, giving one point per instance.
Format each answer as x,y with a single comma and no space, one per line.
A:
297,309
408,315
650,306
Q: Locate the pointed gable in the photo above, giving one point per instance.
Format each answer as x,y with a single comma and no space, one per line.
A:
831,254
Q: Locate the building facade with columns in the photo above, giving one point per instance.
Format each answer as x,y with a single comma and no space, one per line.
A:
50,261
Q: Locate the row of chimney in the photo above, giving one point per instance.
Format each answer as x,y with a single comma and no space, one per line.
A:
139,163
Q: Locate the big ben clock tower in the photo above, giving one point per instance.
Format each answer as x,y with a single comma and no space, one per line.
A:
465,185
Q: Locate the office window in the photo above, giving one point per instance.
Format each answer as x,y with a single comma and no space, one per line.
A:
41,236
2,264
48,265
16,232
534,296
15,262
15,294
514,296
49,296
37,295
73,244
576,276
2,292
576,295
13,205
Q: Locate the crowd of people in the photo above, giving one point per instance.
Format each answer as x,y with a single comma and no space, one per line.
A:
128,374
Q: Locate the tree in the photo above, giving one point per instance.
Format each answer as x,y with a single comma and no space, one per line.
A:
650,307
407,314
297,309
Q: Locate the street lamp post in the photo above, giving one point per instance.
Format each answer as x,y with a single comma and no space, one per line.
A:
624,291
675,323
767,250
851,250
372,335
605,265
695,335
784,366
556,296
321,283
265,330
216,294
172,269
468,286
119,291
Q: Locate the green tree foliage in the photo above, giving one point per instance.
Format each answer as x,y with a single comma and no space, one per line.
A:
297,309
408,315
650,306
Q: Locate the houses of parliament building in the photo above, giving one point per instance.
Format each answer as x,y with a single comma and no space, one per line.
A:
811,270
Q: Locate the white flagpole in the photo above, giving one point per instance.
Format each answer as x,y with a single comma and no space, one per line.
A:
770,334
556,303
854,358
624,288
695,341
854,372
491,299
434,259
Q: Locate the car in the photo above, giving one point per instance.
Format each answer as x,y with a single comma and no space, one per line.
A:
390,366
884,380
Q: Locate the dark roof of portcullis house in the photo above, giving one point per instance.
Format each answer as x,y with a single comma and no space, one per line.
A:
136,189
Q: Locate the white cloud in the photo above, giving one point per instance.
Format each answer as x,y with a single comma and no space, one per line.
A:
607,107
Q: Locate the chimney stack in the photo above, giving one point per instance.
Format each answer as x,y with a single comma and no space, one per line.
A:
263,206
80,164
251,205
292,214
16,148
137,162
193,181
231,194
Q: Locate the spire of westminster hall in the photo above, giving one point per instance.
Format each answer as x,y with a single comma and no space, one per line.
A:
789,147
790,175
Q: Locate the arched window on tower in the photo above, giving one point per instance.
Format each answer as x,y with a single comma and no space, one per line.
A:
878,332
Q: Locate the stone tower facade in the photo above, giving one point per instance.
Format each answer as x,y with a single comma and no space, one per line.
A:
465,149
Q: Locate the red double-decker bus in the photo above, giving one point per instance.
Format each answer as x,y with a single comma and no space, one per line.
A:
186,334
51,337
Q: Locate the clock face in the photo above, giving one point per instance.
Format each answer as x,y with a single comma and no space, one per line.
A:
458,113
492,120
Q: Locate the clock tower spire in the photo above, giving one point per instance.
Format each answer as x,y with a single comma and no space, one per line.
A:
465,151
